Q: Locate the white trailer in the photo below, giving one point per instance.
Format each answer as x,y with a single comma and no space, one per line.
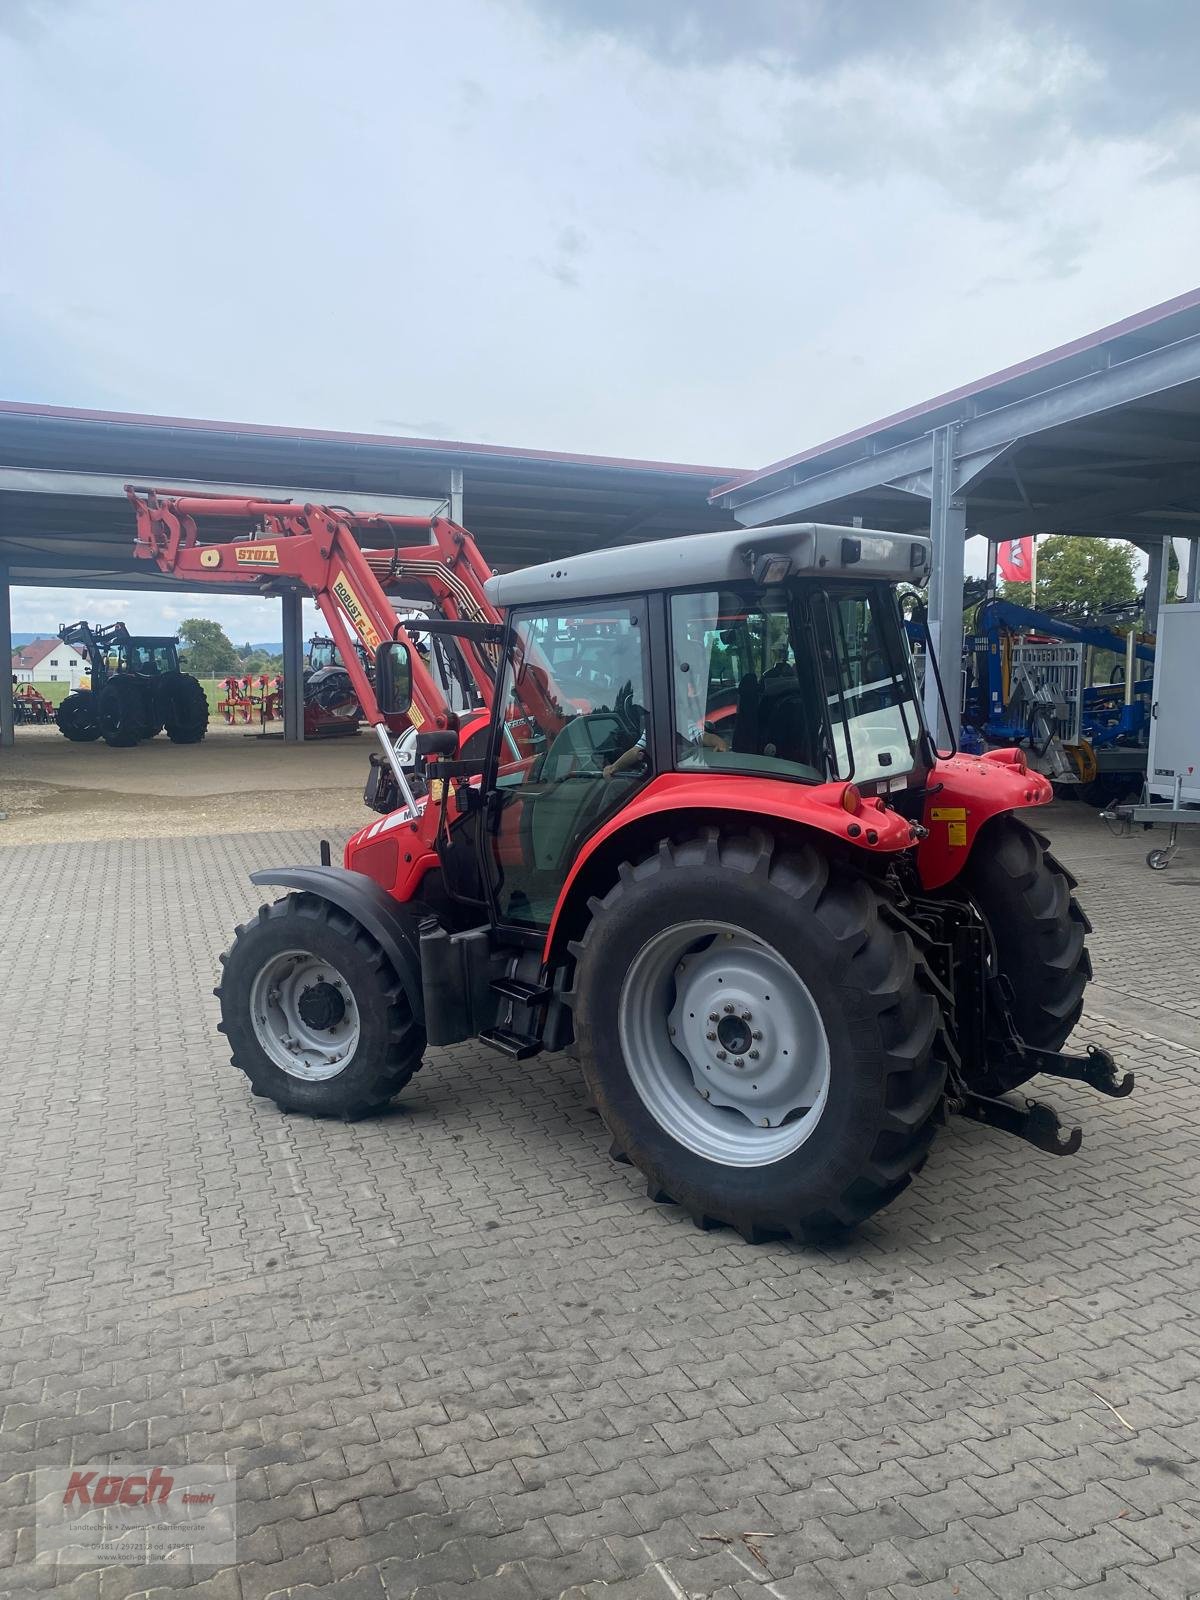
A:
1173,761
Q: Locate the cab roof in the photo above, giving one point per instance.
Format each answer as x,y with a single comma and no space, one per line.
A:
811,548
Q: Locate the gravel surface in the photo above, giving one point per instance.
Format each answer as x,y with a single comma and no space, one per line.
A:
52,791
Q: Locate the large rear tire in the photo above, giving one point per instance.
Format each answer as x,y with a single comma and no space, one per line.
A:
1037,928
814,1111
314,1012
77,719
122,712
183,707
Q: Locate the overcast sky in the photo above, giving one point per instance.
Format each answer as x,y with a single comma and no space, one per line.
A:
709,231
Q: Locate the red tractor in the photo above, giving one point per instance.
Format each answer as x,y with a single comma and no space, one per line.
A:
784,944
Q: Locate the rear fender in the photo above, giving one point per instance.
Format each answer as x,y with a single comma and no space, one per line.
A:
391,925
674,798
965,792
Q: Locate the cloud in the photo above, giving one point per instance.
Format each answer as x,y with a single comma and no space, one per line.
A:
28,21
972,97
570,246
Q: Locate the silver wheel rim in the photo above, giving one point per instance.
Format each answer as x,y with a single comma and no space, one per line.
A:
724,1044
305,1031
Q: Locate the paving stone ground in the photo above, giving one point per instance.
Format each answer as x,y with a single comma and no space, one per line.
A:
455,1353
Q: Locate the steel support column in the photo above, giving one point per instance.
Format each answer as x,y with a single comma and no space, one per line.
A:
293,667
1157,576
948,530
456,495
1193,573
6,699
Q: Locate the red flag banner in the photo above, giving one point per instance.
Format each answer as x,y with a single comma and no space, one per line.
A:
1015,560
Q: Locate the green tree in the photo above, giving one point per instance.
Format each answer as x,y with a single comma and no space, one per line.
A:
1079,576
209,652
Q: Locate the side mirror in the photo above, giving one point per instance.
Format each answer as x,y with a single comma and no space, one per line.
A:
393,678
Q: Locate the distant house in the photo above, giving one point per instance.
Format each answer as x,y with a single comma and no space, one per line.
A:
49,661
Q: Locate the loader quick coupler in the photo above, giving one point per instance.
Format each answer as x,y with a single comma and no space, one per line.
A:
1034,1122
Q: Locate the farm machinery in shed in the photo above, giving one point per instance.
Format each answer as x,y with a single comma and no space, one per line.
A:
137,689
1030,681
30,706
785,940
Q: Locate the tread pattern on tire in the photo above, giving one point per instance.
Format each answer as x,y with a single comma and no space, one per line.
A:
183,707
121,712
76,718
406,1037
1026,897
880,963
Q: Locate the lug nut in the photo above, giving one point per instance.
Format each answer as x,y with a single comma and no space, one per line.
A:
710,1036
729,1010
714,1016
754,1055
721,1055
738,1061
746,1015
757,1034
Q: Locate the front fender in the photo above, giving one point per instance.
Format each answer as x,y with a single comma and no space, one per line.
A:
391,925
964,793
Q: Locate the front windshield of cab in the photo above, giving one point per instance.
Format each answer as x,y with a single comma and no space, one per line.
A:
793,681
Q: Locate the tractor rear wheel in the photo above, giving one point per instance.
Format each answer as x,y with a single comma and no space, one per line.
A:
121,709
183,707
77,718
757,1036
1037,927
314,1012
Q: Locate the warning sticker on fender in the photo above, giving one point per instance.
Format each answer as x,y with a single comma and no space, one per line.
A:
353,607
955,818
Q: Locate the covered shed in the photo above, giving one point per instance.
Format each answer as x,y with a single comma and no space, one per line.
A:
65,521
1097,437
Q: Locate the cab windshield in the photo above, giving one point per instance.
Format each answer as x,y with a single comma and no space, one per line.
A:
793,681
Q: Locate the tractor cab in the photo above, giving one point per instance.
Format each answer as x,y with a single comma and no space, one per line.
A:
779,660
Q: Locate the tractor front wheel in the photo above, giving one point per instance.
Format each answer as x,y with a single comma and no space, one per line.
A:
757,1036
121,710
182,707
76,717
314,1012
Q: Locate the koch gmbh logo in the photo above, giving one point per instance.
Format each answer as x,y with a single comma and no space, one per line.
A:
132,1515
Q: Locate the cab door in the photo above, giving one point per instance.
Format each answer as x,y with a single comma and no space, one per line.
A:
569,747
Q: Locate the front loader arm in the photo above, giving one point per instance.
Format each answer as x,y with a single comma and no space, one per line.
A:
311,547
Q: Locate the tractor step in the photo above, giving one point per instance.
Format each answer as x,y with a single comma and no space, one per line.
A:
517,1046
525,994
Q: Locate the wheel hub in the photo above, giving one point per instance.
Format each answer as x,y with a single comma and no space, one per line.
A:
733,1034
321,1005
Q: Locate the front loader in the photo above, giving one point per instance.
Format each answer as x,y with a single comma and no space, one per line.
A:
728,869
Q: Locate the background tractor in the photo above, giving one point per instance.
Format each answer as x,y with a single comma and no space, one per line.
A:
785,939
137,689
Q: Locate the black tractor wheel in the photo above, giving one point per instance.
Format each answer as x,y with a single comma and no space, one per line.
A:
183,707
314,1012
77,719
1037,928
757,1036
121,710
